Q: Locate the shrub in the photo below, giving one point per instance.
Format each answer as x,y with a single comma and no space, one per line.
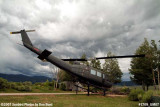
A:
13,85
94,89
37,86
46,83
3,83
140,96
8,85
147,97
133,95
21,88
38,83
19,83
28,88
115,90
125,90
62,87
50,88
51,83
28,83
24,88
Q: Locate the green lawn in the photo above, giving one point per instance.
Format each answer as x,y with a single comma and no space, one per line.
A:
72,100
155,92
36,90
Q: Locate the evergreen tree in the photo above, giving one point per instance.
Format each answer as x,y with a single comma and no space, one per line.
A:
84,57
154,61
112,69
64,76
95,64
142,68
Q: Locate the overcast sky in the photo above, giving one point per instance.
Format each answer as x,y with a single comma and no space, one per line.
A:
69,28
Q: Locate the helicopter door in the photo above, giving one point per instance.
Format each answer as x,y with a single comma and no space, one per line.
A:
85,71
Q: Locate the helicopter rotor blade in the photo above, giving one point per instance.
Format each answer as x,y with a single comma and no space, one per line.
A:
126,56
110,57
75,59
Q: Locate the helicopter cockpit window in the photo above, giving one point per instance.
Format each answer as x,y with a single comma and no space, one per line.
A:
93,72
99,74
103,76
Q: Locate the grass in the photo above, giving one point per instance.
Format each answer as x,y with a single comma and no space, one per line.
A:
72,100
155,92
36,90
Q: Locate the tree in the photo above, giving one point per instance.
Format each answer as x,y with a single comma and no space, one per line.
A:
57,71
62,86
95,64
158,67
27,83
112,69
141,68
64,76
84,57
3,83
46,83
154,61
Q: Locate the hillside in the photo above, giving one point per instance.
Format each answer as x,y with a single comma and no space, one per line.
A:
126,83
22,78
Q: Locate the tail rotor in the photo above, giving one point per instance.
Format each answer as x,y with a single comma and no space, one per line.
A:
25,38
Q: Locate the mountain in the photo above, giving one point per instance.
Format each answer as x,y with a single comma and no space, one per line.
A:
22,78
33,79
126,83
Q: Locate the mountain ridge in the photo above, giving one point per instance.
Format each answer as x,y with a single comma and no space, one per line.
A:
23,78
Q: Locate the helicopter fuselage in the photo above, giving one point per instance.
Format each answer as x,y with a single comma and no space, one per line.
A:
83,73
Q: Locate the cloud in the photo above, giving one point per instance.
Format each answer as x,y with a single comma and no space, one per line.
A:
72,27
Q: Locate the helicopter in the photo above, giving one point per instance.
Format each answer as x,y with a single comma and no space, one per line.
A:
83,73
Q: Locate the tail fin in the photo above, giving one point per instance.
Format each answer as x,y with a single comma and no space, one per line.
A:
25,38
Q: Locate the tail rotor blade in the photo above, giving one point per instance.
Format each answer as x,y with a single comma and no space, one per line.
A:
30,30
16,32
25,39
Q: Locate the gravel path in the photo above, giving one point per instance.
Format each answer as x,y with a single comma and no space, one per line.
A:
28,94
22,94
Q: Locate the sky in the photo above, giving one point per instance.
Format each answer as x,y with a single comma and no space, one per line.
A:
70,28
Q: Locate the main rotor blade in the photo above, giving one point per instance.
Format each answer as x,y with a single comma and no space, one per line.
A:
74,59
126,56
110,57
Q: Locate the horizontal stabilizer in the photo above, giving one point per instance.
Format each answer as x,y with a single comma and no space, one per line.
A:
44,54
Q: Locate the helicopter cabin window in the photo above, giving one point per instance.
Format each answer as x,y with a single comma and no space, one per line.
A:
98,74
93,72
103,76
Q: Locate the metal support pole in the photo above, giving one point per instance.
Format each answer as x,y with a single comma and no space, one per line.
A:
76,89
88,90
104,92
